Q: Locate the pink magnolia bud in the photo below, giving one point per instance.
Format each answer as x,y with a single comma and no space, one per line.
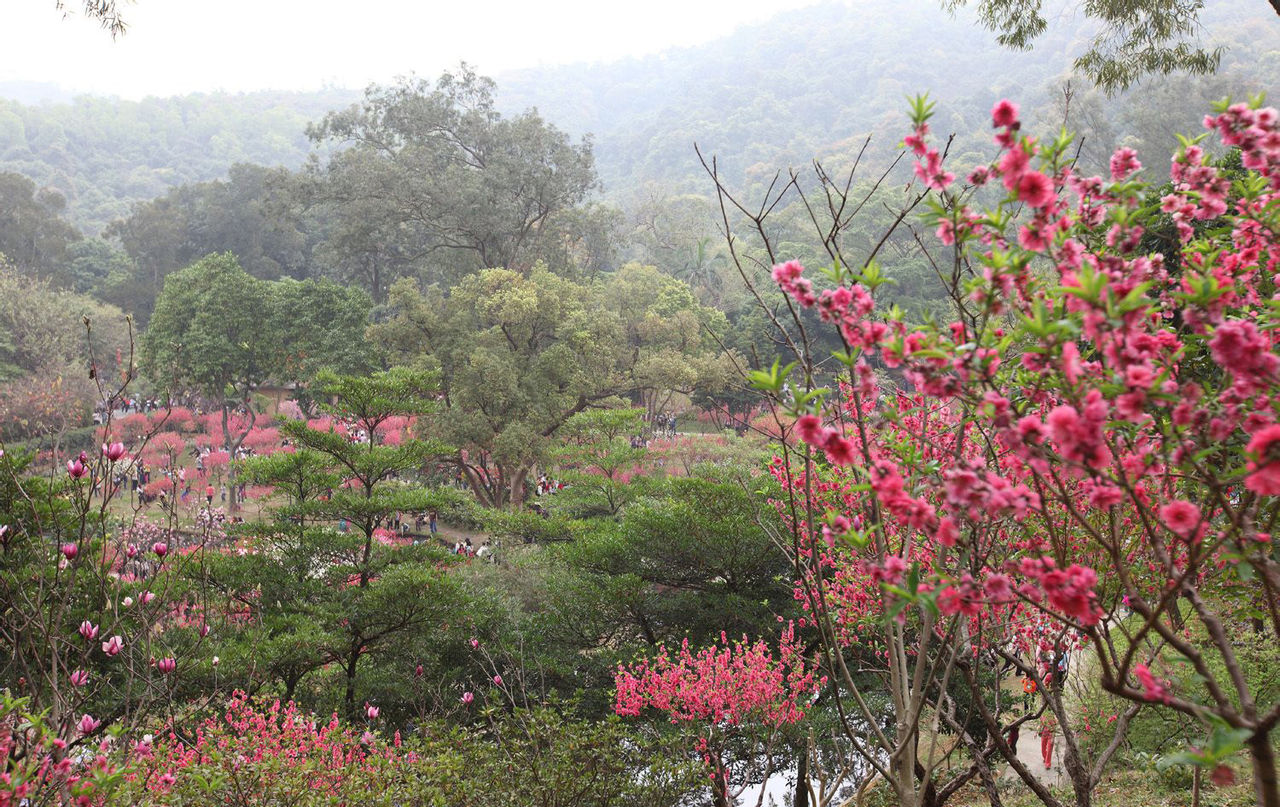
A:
497,679
371,711
114,451
203,631
69,551
131,551
475,643
147,596
167,665
127,601
79,678
417,671
160,548
467,697
88,724
76,469
113,646
88,630
4,532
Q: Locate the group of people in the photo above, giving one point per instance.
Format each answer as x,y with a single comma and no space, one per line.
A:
1054,667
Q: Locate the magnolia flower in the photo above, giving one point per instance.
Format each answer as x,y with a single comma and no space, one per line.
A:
497,679
114,451
69,551
127,601
475,643
79,678
467,697
76,469
88,630
367,738
371,711
417,671
160,548
215,661
113,646
167,665
203,631
148,596
4,530
131,551
88,724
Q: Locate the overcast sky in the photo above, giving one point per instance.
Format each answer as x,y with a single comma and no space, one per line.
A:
179,46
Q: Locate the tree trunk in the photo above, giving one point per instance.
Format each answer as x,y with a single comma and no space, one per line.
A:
1264,769
352,662
801,797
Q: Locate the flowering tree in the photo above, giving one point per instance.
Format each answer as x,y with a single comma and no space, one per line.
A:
731,691
1084,454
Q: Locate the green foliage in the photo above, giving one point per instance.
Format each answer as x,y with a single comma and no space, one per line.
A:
213,329
457,178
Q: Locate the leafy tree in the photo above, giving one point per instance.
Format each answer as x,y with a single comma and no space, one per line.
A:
443,172
330,596
33,233
252,215
1137,38
598,461
519,354
324,325
215,329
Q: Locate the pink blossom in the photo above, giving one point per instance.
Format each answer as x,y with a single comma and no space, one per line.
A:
467,697
1035,189
1124,163
1263,452
1004,114
88,630
79,678
998,587
1181,517
160,548
809,427
88,724
76,469
839,450
947,532
167,665
114,451
497,679
1153,690
113,646
371,711
69,551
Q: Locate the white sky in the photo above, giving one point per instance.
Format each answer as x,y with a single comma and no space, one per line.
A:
179,46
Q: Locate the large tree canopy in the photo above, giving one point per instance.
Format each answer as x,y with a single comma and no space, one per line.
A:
1137,37
436,172
519,354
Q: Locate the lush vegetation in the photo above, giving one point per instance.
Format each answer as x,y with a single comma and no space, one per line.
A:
419,474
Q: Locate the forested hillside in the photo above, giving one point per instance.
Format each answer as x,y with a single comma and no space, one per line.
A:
815,82
105,154
807,83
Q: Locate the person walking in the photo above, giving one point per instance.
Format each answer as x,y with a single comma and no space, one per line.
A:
431,522
1048,728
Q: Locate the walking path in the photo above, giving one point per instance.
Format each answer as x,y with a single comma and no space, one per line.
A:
1029,755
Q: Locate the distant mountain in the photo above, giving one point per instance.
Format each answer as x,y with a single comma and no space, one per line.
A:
103,154
815,82
807,83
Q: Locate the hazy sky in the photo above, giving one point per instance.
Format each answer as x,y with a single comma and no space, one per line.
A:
178,46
